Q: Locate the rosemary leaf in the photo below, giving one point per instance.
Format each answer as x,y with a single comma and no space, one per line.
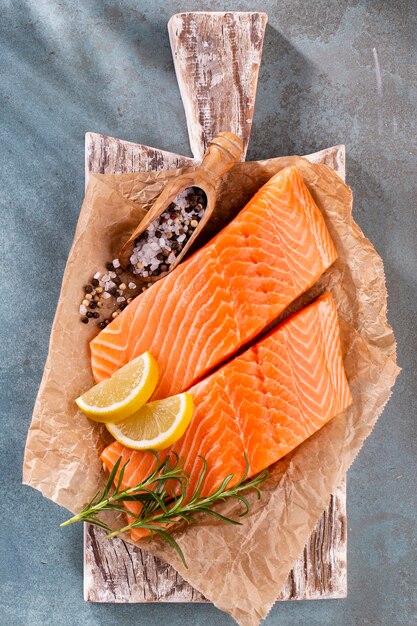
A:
162,504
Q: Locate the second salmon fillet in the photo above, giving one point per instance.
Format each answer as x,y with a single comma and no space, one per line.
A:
227,292
264,403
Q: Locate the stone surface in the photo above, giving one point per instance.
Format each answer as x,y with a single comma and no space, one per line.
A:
71,66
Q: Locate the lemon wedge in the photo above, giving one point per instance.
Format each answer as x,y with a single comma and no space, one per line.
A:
124,393
156,425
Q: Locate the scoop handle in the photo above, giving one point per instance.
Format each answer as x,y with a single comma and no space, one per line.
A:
224,150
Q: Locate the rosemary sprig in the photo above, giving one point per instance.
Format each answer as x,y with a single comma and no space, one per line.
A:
162,507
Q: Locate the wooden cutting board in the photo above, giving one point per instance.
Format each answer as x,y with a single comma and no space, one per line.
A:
217,58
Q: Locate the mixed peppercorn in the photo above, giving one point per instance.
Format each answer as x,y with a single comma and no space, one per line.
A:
107,294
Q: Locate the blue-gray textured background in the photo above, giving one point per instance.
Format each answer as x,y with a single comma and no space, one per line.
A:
70,66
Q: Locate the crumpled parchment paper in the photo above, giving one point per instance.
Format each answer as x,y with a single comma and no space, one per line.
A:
240,569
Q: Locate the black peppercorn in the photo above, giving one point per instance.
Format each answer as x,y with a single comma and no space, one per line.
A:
92,304
95,282
84,320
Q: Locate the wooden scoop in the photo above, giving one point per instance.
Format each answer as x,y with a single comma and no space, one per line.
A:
223,151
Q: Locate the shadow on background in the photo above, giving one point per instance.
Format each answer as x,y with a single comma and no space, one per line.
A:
285,77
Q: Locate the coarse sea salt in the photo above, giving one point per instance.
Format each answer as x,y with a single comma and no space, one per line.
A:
172,227
116,263
132,285
83,309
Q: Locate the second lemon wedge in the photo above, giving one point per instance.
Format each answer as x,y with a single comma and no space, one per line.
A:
124,393
156,425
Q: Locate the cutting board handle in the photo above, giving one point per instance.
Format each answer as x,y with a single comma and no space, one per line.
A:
217,57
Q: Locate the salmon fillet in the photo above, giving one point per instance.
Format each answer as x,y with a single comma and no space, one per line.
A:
263,403
226,293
